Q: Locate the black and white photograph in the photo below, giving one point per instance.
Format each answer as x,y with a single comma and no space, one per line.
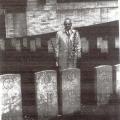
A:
59,60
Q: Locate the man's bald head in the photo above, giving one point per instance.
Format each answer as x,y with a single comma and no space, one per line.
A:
67,23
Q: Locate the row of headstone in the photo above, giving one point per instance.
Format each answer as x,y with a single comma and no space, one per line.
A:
47,92
102,44
35,43
18,43
71,90
47,98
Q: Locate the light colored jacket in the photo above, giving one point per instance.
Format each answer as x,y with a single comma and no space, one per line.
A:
67,48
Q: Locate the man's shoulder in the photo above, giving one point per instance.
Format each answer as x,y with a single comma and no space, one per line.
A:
60,32
74,31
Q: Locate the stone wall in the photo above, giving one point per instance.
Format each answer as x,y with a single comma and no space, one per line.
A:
46,18
50,17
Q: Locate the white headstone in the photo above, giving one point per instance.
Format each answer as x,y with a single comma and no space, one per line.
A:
46,90
25,42
71,90
104,83
84,45
2,44
99,42
104,46
51,45
117,43
32,45
10,97
18,45
38,42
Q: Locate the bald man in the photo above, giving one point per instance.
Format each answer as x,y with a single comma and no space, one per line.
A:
68,46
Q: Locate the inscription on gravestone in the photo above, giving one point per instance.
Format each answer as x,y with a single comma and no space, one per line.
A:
10,97
104,83
46,89
71,90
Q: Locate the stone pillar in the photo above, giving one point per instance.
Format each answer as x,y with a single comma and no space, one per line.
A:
46,91
11,98
104,84
71,91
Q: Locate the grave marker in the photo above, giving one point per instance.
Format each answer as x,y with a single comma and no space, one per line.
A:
10,97
104,83
46,91
71,90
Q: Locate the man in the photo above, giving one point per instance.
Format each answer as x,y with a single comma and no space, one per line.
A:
67,46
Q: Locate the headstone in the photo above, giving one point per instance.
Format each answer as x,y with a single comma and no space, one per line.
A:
71,91
46,90
84,45
51,45
32,45
25,42
104,83
117,79
38,42
2,44
104,46
99,42
18,45
117,43
13,42
10,97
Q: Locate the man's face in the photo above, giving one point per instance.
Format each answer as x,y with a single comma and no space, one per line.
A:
67,24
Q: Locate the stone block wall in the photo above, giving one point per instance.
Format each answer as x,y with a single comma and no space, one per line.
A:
49,17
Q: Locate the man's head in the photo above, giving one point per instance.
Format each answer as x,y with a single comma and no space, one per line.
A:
67,23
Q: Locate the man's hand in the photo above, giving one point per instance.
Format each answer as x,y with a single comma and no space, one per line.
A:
56,63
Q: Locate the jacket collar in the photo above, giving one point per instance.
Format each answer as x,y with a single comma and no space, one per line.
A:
71,31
